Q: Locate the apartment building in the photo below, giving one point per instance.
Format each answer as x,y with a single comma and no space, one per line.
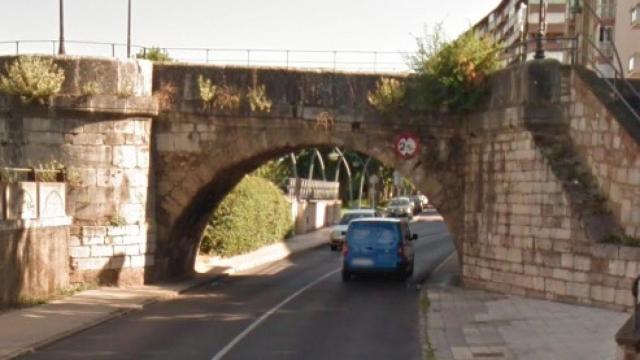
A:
515,25
627,35
599,23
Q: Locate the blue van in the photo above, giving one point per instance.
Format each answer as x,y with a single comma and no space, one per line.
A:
378,245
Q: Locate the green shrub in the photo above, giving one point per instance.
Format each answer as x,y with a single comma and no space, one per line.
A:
452,75
255,213
90,88
276,171
258,100
154,54
216,97
387,96
32,78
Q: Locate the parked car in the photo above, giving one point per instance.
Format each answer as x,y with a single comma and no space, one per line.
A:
417,204
400,207
378,245
339,231
425,202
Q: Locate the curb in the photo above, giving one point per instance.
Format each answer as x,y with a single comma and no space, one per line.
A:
118,312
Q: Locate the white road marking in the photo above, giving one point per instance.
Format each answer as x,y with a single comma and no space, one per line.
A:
266,315
444,261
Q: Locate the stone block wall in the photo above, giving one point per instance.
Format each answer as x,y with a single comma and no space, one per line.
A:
103,141
611,152
110,254
526,230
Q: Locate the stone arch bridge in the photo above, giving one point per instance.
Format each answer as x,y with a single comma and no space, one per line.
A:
529,184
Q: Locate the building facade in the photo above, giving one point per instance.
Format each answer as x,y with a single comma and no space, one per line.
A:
586,32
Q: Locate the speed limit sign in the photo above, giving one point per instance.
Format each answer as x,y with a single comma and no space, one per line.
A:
407,145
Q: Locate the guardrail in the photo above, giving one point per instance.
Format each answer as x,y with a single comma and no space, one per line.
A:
346,60
313,189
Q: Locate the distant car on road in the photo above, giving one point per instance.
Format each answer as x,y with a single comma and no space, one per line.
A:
417,204
378,245
339,231
425,201
400,207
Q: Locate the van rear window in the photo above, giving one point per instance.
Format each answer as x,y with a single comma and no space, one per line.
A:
369,233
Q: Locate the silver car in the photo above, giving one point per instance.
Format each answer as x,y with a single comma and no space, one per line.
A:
400,207
339,232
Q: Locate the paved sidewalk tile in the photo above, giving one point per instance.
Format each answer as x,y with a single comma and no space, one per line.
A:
465,324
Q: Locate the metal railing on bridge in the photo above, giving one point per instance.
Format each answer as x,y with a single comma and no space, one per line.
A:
313,189
343,60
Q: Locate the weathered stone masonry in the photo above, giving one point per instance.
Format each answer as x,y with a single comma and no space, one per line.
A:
103,141
536,210
528,185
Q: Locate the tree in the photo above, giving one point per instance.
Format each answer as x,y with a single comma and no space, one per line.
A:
154,54
452,75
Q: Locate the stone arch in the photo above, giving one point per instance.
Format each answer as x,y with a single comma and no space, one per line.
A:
187,197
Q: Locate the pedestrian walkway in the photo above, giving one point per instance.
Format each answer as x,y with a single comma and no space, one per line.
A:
464,324
24,330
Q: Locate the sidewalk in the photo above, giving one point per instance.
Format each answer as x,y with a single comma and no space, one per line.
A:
24,330
464,324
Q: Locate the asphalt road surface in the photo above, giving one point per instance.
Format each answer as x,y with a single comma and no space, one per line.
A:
297,308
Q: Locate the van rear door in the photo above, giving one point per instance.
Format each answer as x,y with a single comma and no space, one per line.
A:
373,244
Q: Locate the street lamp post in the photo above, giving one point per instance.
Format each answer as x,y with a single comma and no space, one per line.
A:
128,29
61,39
541,25
338,155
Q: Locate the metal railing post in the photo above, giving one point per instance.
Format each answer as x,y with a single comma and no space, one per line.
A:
113,50
287,59
375,61
334,60
248,57
207,56
17,47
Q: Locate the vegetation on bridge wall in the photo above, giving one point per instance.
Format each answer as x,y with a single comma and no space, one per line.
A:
255,213
449,75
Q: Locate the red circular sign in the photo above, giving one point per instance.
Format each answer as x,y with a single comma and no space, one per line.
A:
407,145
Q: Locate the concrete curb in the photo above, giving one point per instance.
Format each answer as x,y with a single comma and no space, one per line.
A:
117,312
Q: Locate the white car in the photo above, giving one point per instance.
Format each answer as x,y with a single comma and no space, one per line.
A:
339,232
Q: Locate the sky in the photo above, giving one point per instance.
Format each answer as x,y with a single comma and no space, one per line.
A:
377,25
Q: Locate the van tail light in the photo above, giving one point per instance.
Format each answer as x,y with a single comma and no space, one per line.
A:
345,249
401,251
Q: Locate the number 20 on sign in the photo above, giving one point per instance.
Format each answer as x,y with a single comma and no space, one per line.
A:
407,145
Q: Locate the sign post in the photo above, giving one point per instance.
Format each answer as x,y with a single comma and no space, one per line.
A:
373,180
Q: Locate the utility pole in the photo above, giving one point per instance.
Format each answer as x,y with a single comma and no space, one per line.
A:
128,29
61,39
541,30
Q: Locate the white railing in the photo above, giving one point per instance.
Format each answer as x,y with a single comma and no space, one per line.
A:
343,60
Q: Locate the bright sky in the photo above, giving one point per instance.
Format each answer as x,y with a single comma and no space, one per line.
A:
366,25
380,25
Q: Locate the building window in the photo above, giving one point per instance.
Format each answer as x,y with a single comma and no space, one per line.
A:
635,16
606,34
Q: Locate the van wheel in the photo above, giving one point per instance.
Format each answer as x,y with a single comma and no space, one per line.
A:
334,247
346,276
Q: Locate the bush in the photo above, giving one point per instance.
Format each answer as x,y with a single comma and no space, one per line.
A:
452,75
387,96
255,213
220,98
258,100
32,78
154,54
